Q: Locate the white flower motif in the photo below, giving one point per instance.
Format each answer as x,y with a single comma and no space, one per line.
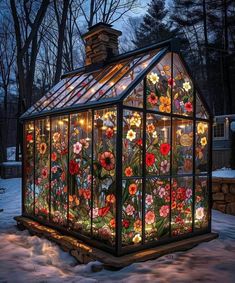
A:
187,86
137,238
153,77
199,213
131,135
77,147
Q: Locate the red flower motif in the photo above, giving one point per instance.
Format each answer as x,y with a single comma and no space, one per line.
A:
149,159
73,167
87,194
109,133
44,173
112,223
53,156
165,148
128,172
181,194
103,211
132,189
29,138
171,82
125,223
139,142
152,98
188,106
107,160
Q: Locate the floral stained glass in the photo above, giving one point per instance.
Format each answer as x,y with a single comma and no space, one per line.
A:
157,208
158,148
181,205
131,211
132,143
29,168
135,98
182,131
42,168
201,144
59,163
104,183
158,86
201,218
80,179
182,89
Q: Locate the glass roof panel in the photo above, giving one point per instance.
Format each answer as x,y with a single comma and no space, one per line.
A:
105,83
200,109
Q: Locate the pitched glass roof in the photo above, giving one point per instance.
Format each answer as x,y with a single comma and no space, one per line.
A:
105,84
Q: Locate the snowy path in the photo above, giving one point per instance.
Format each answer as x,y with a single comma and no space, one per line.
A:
29,259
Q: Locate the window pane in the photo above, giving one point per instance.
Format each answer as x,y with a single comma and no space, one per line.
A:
201,203
158,86
131,211
132,143
158,149
104,191
182,91
80,172
218,130
157,208
29,168
135,98
182,131
59,159
42,168
181,206
200,109
202,154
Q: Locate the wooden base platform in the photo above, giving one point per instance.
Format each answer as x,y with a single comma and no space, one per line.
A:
85,253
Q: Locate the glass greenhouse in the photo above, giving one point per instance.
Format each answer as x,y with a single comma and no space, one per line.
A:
120,156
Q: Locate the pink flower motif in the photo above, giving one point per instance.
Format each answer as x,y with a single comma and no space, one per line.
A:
89,179
164,211
149,217
130,209
95,212
54,169
162,192
77,147
188,193
149,199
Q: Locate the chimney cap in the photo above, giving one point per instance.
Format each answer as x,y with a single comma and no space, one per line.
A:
101,27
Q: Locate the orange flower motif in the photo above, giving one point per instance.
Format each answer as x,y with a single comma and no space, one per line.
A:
165,104
112,223
111,198
150,217
70,198
132,189
53,156
42,148
128,172
138,225
150,128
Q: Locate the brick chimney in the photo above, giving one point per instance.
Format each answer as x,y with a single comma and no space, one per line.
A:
101,43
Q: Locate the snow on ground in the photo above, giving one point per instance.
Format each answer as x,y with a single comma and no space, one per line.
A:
24,258
224,173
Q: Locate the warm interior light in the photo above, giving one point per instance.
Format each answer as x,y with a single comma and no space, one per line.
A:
81,122
71,87
60,122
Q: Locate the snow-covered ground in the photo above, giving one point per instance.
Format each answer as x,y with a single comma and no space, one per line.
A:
24,258
224,173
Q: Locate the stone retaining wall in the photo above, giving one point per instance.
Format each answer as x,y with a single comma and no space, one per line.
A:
223,195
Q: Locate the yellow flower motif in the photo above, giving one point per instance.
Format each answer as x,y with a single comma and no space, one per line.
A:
203,141
135,120
137,238
153,77
201,128
187,86
155,136
165,104
150,128
131,135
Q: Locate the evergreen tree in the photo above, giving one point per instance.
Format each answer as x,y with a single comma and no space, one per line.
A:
155,26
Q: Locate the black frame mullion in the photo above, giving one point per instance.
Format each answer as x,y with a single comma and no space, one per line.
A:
92,168
119,188
194,159
68,175
143,161
50,175
34,152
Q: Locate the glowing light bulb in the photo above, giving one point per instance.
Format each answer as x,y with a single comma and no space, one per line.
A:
71,87
81,122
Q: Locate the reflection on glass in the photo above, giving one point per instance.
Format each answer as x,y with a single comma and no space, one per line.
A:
29,168
181,205
132,143
200,109
80,178
42,168
182,143
131,212
158,148
157,208
182,88
104,168
59,163
158,86
135,98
